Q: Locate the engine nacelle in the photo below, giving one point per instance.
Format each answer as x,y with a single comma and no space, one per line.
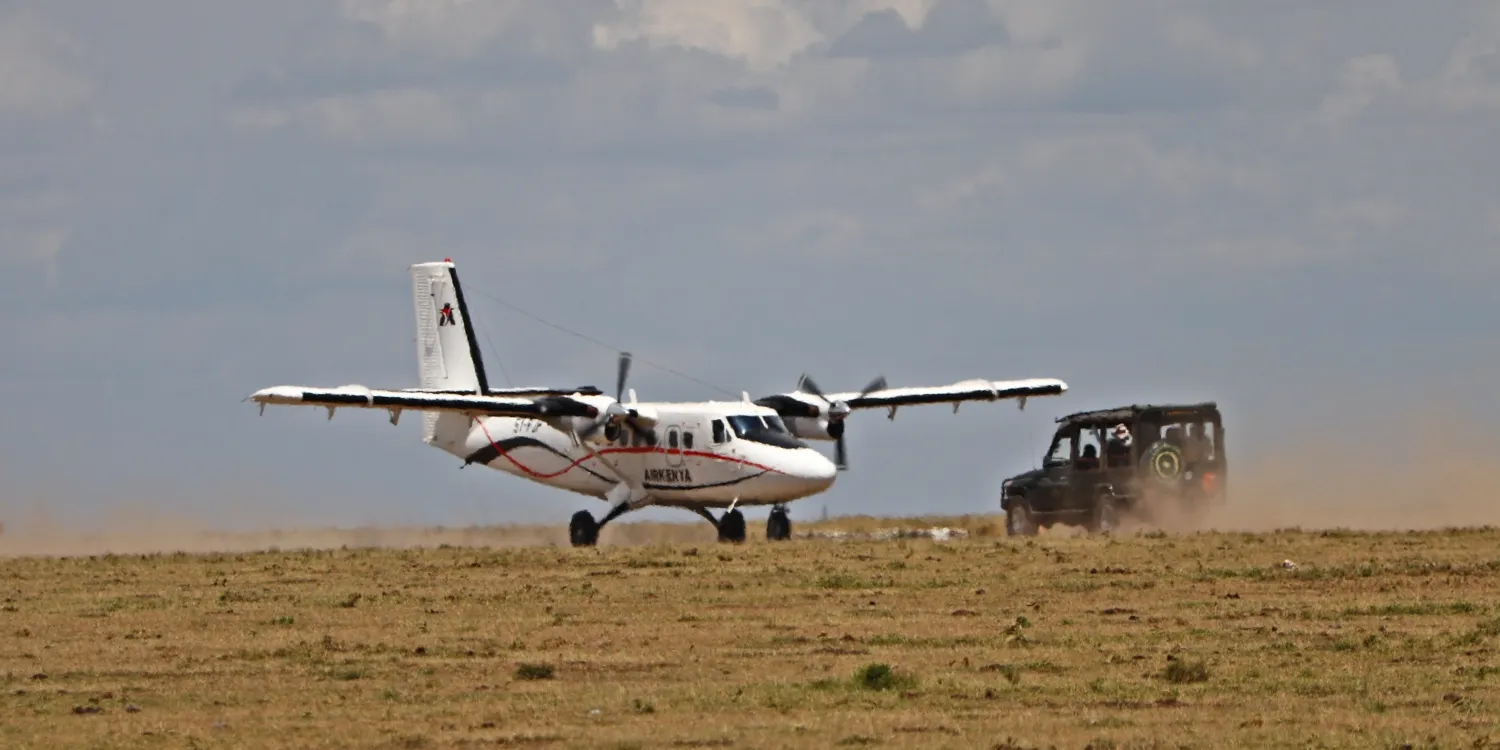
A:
820,428
615,418
571,425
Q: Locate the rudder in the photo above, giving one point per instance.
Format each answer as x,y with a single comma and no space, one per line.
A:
447,350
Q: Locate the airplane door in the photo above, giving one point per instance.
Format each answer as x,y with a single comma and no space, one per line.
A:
674,446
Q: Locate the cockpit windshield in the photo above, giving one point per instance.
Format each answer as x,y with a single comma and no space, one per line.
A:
742,424
769,430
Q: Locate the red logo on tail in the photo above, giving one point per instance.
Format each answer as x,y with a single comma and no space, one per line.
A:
445,315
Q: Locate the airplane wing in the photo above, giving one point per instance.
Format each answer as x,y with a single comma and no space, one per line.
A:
812,414
807,401
396,401
957,393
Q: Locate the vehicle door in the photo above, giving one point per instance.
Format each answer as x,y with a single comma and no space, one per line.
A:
1050,493
1088,470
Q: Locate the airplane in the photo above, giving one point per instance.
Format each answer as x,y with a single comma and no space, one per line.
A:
697,456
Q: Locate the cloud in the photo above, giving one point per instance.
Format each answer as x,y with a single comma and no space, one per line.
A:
456,28
1361,81
34,247
38,78
942,29
824,233
1201,39
1470,81
763,34
365,119
1100,163
34,219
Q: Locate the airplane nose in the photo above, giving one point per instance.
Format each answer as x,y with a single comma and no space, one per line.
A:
817,469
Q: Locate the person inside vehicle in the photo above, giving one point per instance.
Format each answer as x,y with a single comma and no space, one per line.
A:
1090,458
1200,446
1117,450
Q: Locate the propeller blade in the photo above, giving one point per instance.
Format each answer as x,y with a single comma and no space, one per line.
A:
878,384
624,371
841,459
589,431
806,385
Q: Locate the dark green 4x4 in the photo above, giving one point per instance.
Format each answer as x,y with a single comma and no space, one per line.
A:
1171,456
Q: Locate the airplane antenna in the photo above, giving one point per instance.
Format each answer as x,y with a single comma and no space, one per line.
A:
494,354
599,343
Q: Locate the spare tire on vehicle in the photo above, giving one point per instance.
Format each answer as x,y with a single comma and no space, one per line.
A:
1163,463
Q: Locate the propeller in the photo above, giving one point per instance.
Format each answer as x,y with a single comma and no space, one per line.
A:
837,411
616,412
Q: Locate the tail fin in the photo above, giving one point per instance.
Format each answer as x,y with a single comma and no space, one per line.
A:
447,350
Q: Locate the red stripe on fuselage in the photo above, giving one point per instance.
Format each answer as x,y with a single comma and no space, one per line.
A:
611,451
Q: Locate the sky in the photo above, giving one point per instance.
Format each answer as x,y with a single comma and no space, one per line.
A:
1290,208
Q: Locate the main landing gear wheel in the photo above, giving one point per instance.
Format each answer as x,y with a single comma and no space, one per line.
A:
732,527
582,530
778,525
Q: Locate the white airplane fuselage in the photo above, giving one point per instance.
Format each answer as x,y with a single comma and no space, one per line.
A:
693,463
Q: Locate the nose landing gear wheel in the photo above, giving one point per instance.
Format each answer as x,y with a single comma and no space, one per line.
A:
778,525
732,527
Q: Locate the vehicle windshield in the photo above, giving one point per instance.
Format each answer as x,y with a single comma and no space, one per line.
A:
769,430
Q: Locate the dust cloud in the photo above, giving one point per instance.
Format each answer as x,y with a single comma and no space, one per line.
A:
169,535
1417,469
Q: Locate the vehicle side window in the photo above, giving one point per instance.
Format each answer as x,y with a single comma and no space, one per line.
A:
1200,441
720,434
687,439
1088,449
1063,453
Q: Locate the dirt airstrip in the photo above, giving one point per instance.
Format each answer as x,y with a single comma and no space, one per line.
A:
1374,625
1341,639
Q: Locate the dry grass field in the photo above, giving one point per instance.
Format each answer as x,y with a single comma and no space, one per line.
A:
1202,640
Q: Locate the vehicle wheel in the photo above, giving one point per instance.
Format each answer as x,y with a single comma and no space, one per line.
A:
582,530
1106,516
778,526
1018,521
732,527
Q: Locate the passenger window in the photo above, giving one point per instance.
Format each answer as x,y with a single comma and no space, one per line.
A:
719,432
687,440
672,439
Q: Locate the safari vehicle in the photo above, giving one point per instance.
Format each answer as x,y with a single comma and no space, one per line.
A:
1090,477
